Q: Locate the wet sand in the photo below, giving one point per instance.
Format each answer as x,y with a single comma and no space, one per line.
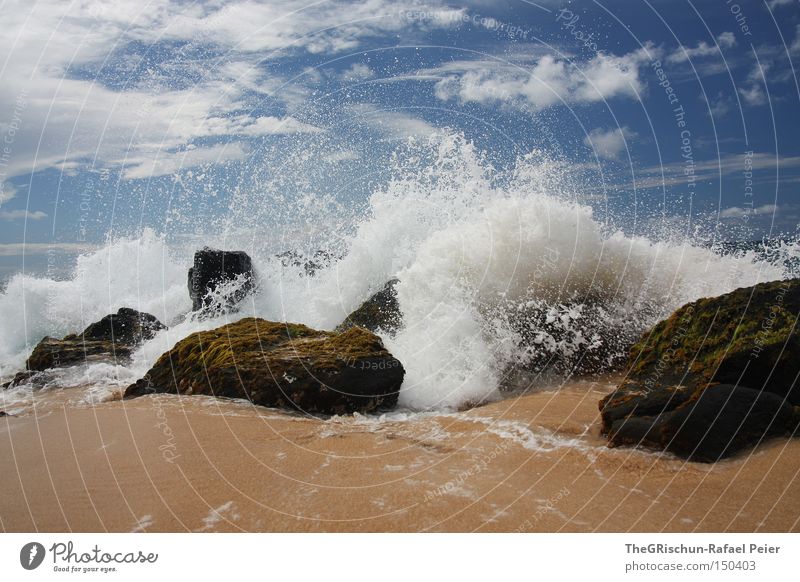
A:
533,463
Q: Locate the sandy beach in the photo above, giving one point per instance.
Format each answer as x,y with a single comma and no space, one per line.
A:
531,463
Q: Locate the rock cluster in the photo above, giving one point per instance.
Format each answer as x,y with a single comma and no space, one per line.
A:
112,338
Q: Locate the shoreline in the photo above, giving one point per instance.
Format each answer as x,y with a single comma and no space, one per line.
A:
535,462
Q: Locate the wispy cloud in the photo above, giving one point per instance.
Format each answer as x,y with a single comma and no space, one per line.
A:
19,249
778,3
22,214
165,162
7,192
49,46
738,212
392,124
702,49
726,165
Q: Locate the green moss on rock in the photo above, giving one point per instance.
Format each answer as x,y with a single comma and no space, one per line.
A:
280,364
746,338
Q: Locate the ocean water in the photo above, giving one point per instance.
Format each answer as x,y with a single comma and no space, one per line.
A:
499,270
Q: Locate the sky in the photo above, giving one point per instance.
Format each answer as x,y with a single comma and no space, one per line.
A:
116,116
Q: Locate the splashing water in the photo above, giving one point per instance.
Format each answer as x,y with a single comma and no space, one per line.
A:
498,270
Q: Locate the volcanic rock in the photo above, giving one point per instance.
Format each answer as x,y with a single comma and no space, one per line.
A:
280,365
212,270
381,312
716,376
113,338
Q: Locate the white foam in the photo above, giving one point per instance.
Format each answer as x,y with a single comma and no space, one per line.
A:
472,248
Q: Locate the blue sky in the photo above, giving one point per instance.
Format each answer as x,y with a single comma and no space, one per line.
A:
119,115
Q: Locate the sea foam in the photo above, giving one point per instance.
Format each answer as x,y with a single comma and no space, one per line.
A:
497,269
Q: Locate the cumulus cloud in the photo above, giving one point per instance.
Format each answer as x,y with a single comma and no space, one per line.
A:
726,40
753,95
549,81
608,144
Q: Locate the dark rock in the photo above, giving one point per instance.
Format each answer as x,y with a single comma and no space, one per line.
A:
745,338
724,419
112,339
19,378
280,365
632,403
213,268
635,431
126,326
381,312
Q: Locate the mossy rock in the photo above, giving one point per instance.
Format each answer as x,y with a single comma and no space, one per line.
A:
74,350
112,339
747,338
381,312
280,365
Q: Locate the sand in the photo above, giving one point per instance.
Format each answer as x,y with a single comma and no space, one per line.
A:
531,463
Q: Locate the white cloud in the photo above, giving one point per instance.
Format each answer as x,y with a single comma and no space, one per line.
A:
726,40
703,49
67,118
714,169
738,212
164,163
254,126
7,192
720,106
358,72
25,214
608,144
393,124
752,90
18,249
795,47
550,81
753,95
776,3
